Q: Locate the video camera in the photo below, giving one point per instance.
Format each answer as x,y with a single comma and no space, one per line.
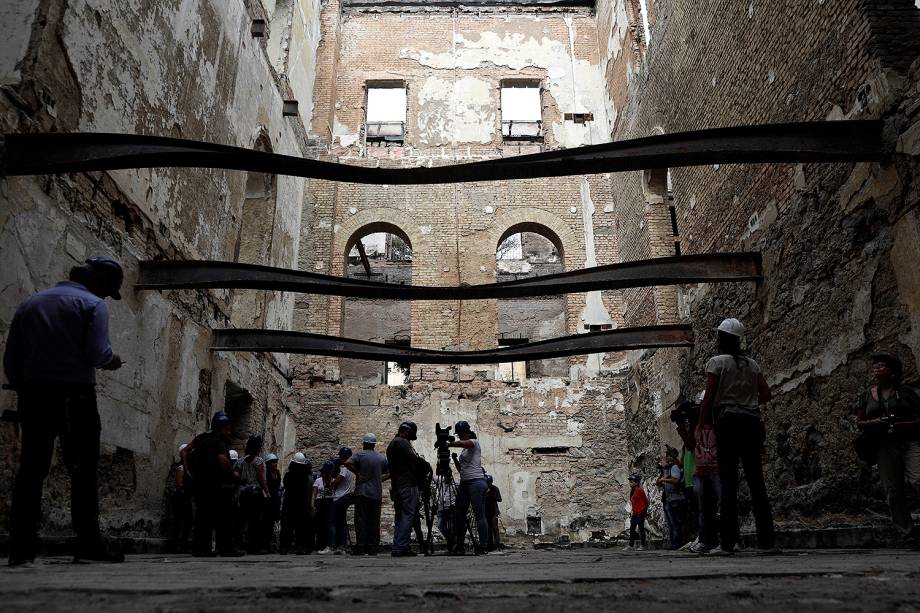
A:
442,439
686,415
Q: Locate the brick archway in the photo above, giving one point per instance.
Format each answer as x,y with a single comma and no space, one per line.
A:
369,221
540,222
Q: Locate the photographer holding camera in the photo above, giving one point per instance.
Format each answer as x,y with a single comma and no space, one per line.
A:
473,487
888,414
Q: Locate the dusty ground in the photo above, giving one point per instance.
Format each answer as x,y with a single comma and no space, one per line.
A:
531,581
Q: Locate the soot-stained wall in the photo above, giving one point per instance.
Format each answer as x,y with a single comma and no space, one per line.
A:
189,70
839,241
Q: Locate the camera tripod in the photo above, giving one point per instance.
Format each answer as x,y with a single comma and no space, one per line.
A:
439,496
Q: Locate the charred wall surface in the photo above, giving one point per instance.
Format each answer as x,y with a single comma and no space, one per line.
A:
190,70
839,241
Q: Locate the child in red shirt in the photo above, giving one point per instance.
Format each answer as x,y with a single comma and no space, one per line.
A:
639,500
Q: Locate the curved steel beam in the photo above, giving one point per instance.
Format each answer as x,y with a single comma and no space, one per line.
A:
834,141
280,341
702,268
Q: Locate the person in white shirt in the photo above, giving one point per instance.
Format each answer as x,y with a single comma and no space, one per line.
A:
343,497
321,507
472,490
735,389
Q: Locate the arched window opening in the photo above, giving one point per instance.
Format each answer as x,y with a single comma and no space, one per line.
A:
254,243
380,253
523,253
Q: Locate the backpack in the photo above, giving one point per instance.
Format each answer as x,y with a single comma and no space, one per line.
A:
706,451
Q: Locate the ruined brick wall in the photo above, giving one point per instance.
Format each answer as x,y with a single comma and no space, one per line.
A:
839,241
190,70
453,64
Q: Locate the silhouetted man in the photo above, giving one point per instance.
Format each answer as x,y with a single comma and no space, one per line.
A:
57,340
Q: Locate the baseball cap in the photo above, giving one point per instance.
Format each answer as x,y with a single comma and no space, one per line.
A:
111,271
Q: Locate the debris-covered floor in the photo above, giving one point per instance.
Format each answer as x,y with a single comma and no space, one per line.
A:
531,581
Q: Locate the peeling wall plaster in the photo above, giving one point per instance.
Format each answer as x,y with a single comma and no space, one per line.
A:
301,61
17,17
455,111
575,84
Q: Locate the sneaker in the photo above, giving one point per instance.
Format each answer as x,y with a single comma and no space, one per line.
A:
338,551
496,552
699,548
640,548
629,548
688,546
324,552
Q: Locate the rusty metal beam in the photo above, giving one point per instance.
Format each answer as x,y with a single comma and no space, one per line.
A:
700,268
279,341
364,260
835,141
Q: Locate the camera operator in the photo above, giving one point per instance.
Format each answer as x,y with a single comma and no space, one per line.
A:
403,463
888,413
473,487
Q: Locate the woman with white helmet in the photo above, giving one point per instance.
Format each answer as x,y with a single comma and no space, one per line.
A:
296,524
735,389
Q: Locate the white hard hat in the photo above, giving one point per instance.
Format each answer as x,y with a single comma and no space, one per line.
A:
271,458
299,458
370,438
234,455
732,326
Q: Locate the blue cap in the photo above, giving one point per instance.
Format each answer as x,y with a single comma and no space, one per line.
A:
635,477
111,271
220,418
345,452
462,426
328,466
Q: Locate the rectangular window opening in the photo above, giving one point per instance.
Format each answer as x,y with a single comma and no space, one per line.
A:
598,327
385,121
674,229
534,525
512,371
522,110
396,373
579,117
550,450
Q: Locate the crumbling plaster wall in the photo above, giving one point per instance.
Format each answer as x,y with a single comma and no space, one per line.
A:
453,63
838,240
188,70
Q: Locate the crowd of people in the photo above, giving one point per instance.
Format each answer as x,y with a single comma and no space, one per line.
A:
699,483
59,337
228,504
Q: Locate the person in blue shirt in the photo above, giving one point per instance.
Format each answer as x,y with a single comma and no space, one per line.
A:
57,340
